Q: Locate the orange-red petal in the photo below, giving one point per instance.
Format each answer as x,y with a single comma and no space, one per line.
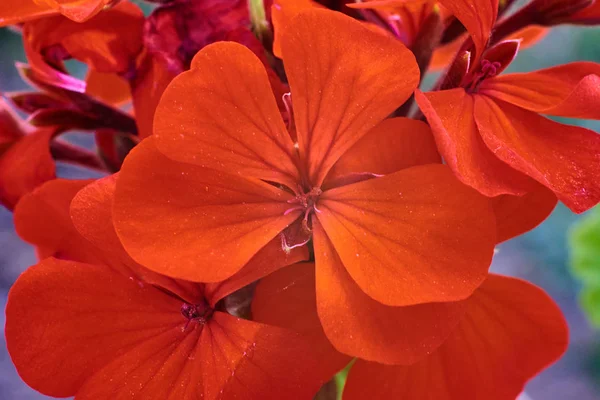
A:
287,298
361,327
394,144
415,236
12,128
341,88
221,114
519,214
511,331
25,165
147,87
450,114
570,90
107,336
190,222
478,16
42,219
15,11
282,12
269,259
109,42
107,87
229,359
91,215
564,158
84,316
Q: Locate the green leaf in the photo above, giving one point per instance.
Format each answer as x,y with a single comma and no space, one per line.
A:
584,243
590,302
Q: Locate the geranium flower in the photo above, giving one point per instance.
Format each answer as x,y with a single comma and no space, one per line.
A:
509,331
487,126
221,177
110,328
17,11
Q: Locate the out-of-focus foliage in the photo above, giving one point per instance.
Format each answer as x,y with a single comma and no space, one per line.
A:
584,241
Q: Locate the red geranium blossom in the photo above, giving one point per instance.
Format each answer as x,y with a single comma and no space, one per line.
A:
489,130
509,331
105,327
221,177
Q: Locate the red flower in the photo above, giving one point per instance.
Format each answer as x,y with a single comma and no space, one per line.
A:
490,132
509,331
221,178
110,328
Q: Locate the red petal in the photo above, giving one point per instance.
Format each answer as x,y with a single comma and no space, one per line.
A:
229,359
512,330
79,10
91,214
415,236
193,223
84,316
255,361
398,143
269,259
15,11
42,219
588,16
11,126
359,326
287,298
109,42
282,12
341,88
151,80
450,114
571,90
478,16
106,87
26,165
564,158
519,214
222,115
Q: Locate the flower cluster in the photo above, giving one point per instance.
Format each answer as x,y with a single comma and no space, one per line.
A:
285,200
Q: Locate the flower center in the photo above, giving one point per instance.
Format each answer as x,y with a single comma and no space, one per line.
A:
488,70
297,235
196,313
305,201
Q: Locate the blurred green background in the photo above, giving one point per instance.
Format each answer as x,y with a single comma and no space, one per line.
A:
540,256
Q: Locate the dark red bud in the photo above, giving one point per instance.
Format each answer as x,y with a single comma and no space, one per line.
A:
30,102
554,12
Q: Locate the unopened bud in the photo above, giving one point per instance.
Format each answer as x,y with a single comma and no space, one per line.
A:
554,12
